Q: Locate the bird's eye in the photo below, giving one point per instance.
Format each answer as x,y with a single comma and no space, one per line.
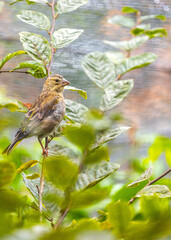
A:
57,80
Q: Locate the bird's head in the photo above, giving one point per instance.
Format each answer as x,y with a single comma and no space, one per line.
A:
55,83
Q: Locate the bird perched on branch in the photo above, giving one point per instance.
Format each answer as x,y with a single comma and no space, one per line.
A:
45,114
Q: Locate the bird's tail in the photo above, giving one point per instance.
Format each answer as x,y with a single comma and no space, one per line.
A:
12,146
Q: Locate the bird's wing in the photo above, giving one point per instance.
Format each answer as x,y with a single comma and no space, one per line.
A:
40,109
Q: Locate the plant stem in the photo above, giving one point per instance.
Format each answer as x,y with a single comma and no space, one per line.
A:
151,182
8,71
50,35
63,215
40,190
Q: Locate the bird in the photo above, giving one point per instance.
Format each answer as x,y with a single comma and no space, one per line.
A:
44,115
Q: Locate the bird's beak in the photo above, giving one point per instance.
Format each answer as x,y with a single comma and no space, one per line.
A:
65,82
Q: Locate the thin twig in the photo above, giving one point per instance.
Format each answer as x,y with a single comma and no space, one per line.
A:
50,35
151,182
9,71
40,190
62,216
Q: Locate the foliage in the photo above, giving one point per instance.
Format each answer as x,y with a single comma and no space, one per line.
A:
65,186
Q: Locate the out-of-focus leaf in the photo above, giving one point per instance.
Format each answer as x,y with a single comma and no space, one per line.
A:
120,215
90,177
88,197
27,165
99,69
140,29
147,17
15,1
75,111
33,176
34,68
115,57
144,176
159,190
156,32
97,155
37,19
122,20
135,62
115,93
60,171
1,5
64,6
36,46
130,44
7,173
9,56
81,92
129,10
156,148
64,36
109,135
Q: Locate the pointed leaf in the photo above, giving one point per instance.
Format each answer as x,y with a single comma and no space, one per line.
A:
140,29
64,36
156,32
90,177
144,176
159,190
9,56
27,165
99,69
64,6
135,62
115,93
129,10
130,44
122,20
33,176
160,17
81,92
30,1
7,173
36,46
36,19
15,1
75,111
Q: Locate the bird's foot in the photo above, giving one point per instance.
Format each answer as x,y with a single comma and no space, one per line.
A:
45,152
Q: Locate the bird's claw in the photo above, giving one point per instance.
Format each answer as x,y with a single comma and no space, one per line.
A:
45,152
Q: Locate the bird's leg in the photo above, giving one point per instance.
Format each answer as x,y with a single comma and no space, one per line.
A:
46,143
45,152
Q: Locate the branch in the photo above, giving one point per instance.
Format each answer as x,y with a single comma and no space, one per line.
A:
50,34
151,182
9,71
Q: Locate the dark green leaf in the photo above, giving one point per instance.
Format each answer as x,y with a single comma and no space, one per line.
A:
33,176
9,56
122,20
140,29
129,10
81,92
97,155
64,6
7,173
156,32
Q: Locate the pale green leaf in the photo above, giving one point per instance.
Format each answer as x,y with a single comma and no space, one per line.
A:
140,29
37,19
64,6
7,173
27,165
130,44
99,69
122,20
161,191
147,17
156,32
95,174
144,176
115,93
64,36
30,1
36,46
115,57
81,92
9,56
15,1
135,62
75,112
129,10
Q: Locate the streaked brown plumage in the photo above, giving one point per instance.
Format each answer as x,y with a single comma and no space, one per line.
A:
45,114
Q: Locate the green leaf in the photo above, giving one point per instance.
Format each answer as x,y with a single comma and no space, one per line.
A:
36,19
130,44
7,173
15,1
122,20
34,68
99,69
64,36
115,57
135,62
161,191
81,92
140,29
129,10
90,177
9,56
64,6
30,1
33,176
36,46
97,155
144,176
75,112
60,171
108,135
115,93
147,17
27,165
120,215
156,32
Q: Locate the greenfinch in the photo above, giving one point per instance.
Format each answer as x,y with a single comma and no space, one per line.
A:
45,114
